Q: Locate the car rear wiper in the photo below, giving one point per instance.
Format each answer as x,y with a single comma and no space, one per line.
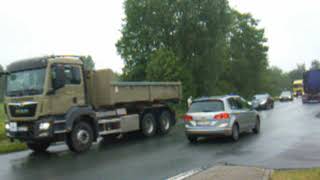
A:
207,110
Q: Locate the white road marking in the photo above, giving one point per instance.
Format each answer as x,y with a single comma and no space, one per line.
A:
185,174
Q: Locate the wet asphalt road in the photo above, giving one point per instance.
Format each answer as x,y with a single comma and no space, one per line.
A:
289,138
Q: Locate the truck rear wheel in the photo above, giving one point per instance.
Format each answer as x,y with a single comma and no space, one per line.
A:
148,125
164,122
81,137
38,146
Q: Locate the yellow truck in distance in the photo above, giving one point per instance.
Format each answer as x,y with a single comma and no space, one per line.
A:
297,87
53,98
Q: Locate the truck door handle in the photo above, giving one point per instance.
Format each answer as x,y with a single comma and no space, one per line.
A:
75,100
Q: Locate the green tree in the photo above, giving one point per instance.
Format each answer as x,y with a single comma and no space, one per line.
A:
275,81
88,63
194,31
2,80
208,46
315,64
164,66
248,54
297,73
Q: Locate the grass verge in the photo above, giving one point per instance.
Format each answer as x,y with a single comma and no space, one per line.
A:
303,174
5,145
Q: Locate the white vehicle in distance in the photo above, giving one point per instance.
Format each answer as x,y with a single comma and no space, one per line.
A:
224,115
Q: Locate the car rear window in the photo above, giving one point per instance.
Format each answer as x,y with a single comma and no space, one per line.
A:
207,106
286,93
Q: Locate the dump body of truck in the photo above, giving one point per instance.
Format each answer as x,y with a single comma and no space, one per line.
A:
51,99
104,92
311,85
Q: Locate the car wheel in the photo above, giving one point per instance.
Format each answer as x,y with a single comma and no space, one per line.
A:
148,125
192,139
256,128
235,132
81,137
164,122
38,147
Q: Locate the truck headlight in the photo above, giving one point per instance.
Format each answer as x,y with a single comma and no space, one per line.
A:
7,126
44,126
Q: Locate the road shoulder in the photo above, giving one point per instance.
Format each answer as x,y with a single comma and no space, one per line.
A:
226,172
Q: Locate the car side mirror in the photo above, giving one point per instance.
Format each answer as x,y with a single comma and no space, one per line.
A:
59,80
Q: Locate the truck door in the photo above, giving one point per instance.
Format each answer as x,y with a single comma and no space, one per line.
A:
72,94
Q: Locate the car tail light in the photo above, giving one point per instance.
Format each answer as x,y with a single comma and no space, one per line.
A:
222,116
187,118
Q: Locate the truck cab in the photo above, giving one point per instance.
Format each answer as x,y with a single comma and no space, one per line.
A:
298,88
39,93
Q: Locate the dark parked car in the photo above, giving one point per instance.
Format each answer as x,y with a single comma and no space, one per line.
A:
262,101
286,96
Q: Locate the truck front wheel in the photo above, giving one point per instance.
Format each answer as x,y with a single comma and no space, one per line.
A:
38,146
81,137
165,122
148,125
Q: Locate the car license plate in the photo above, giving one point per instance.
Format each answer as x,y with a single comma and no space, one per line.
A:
22,129
13,127
204,123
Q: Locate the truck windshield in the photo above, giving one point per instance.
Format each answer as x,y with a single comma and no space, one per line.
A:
206,106
25,83
297,86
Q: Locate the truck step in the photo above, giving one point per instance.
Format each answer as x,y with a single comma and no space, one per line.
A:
105,114
110,131
104,121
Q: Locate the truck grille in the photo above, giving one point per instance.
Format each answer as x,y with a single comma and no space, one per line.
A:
23,111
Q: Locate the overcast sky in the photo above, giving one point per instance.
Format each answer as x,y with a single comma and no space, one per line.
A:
42,27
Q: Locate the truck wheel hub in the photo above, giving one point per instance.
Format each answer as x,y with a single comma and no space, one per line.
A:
83,137
149,126
166,123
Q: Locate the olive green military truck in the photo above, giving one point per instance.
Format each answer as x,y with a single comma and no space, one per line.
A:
51,99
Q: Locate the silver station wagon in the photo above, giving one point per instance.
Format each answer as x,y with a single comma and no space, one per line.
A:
225,115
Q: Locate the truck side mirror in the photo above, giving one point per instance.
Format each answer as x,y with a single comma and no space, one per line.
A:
58,76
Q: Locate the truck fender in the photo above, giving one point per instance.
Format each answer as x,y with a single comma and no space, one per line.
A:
76,113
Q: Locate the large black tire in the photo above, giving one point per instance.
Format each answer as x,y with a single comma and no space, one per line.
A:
148,125
38,147
235,132
165,122
192,138
256,128
81,137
